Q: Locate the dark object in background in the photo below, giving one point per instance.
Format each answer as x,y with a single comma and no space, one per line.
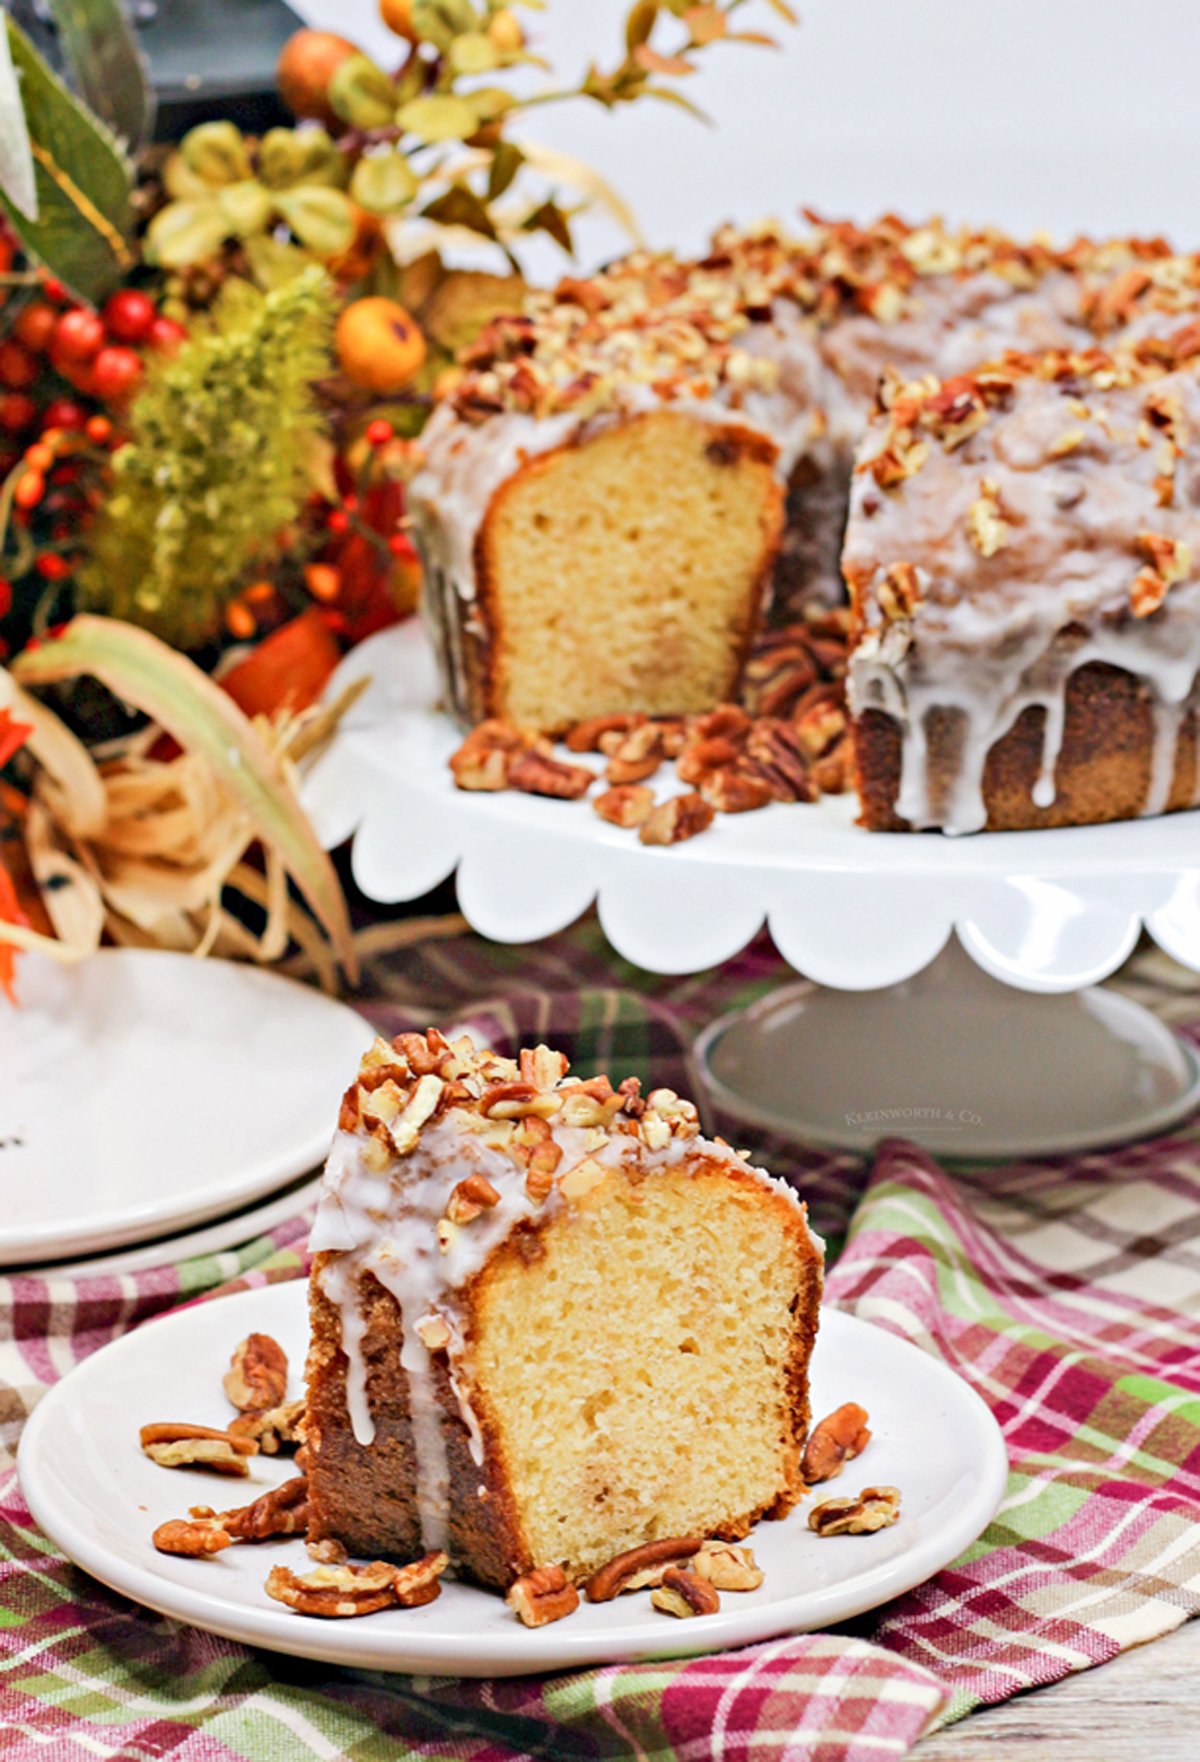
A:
207,58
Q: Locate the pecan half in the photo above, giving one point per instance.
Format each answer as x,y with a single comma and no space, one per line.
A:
585,736
188,1446
628,805
193,1538
875,1508
337,1592
638,1567
473,1195
637,756
727,1568
773,755
675,820
257,1374
420,1582
685,1594
834,1441
276,1430
537,774
542,1596
730,792
485,757
281,1512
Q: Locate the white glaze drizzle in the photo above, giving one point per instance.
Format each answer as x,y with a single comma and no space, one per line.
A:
994,637
385,1224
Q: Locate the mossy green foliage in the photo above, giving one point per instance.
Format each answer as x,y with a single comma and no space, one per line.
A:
218,464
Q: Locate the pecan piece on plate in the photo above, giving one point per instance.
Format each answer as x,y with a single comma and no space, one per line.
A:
335,1592
585,737
275,1429
639,1567
281,1512
542,1596
685,1594
673,821
257,1374
420,1582
726,1567
636,757
628,805
875,1508
732,792
194,1537
485,757
537,773
188,1446
834,1441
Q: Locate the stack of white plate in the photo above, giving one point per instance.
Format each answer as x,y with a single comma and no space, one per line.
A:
155,1107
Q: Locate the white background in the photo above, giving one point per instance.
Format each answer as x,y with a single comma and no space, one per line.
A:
1065,115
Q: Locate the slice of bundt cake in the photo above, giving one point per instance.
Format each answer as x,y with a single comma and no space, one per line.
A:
549,1321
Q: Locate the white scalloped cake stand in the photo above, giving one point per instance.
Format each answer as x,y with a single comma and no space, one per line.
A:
961,1057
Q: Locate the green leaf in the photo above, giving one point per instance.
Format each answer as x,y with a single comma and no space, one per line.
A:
246,206
640,23
17,178
186,232
106,66
507,160
143,671
440,21
474,53
84,182
667,96
323,220
274,262
383,183
549,218
442,117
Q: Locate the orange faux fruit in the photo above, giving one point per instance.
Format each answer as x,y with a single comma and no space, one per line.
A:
397,16
307,63
379,345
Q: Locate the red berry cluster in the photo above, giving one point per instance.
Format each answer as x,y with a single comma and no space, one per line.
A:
98,354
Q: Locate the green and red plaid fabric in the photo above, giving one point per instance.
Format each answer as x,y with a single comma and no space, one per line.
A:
1067,1291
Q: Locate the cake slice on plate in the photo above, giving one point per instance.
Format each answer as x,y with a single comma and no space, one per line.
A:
550,1321
1023,559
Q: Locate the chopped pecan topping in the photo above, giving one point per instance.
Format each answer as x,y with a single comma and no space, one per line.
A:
987,530
638,1567
542,1596
685,1594
875,1508
433,1331
543,1163
584,1178
1170,562
189,1446
834,1441
193,1537
257,1374
473,1195
542,1067
281,1512
899,591
676,820
275,1430
726,1567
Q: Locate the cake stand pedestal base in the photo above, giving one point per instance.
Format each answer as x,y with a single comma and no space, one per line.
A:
955,1061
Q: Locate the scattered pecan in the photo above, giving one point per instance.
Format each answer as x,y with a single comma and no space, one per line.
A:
193,1538
727,1568
485,757
685,1594
834,1441
585,736
542,1596
327,1552
473,1195
276,1430
340,1591
627,806
638,1567
875,1508
701,756
188,1446
831,773
774,756
636,757
675,820
257,1374
730,792
537,773
281,1512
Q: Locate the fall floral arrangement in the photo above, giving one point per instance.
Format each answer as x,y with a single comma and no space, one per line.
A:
215,359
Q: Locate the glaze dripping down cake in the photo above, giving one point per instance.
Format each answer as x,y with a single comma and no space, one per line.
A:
550,1321
1023,558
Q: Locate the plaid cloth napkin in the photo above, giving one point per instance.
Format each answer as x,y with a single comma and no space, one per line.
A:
1067,1291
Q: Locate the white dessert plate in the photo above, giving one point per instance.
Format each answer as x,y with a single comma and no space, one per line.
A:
144,1092
99,1498
1048,910
213,1238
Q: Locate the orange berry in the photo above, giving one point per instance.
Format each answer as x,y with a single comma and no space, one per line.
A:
259,593
397,16
323,581
30,489
98,429
239,621
379,432
39,457
306,65
379,345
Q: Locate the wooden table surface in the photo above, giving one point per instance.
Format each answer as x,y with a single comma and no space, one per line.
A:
1142,1707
